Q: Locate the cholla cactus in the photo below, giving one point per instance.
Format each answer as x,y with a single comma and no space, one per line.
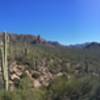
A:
4,53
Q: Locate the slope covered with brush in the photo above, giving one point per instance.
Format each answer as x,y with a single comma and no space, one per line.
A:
44,71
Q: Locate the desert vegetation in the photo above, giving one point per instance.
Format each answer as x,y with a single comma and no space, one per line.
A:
42,70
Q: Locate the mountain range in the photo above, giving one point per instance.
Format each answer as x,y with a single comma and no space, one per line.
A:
32,39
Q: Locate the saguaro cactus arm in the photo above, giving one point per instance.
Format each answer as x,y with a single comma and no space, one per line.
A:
6,60
4,54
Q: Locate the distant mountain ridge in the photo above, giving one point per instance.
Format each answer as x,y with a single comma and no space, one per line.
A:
93,45
32,39
86,45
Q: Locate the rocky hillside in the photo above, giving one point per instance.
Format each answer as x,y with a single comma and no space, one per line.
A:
53,71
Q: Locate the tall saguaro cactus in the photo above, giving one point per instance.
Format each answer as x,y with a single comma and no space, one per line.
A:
4,53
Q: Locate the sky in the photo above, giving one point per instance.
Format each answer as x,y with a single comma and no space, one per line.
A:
65,21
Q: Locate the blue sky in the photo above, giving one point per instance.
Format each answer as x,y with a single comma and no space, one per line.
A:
66,21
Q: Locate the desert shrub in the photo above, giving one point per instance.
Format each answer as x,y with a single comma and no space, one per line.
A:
25,83
36,94
74,89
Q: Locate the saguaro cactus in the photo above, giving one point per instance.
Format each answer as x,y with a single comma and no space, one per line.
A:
4,53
